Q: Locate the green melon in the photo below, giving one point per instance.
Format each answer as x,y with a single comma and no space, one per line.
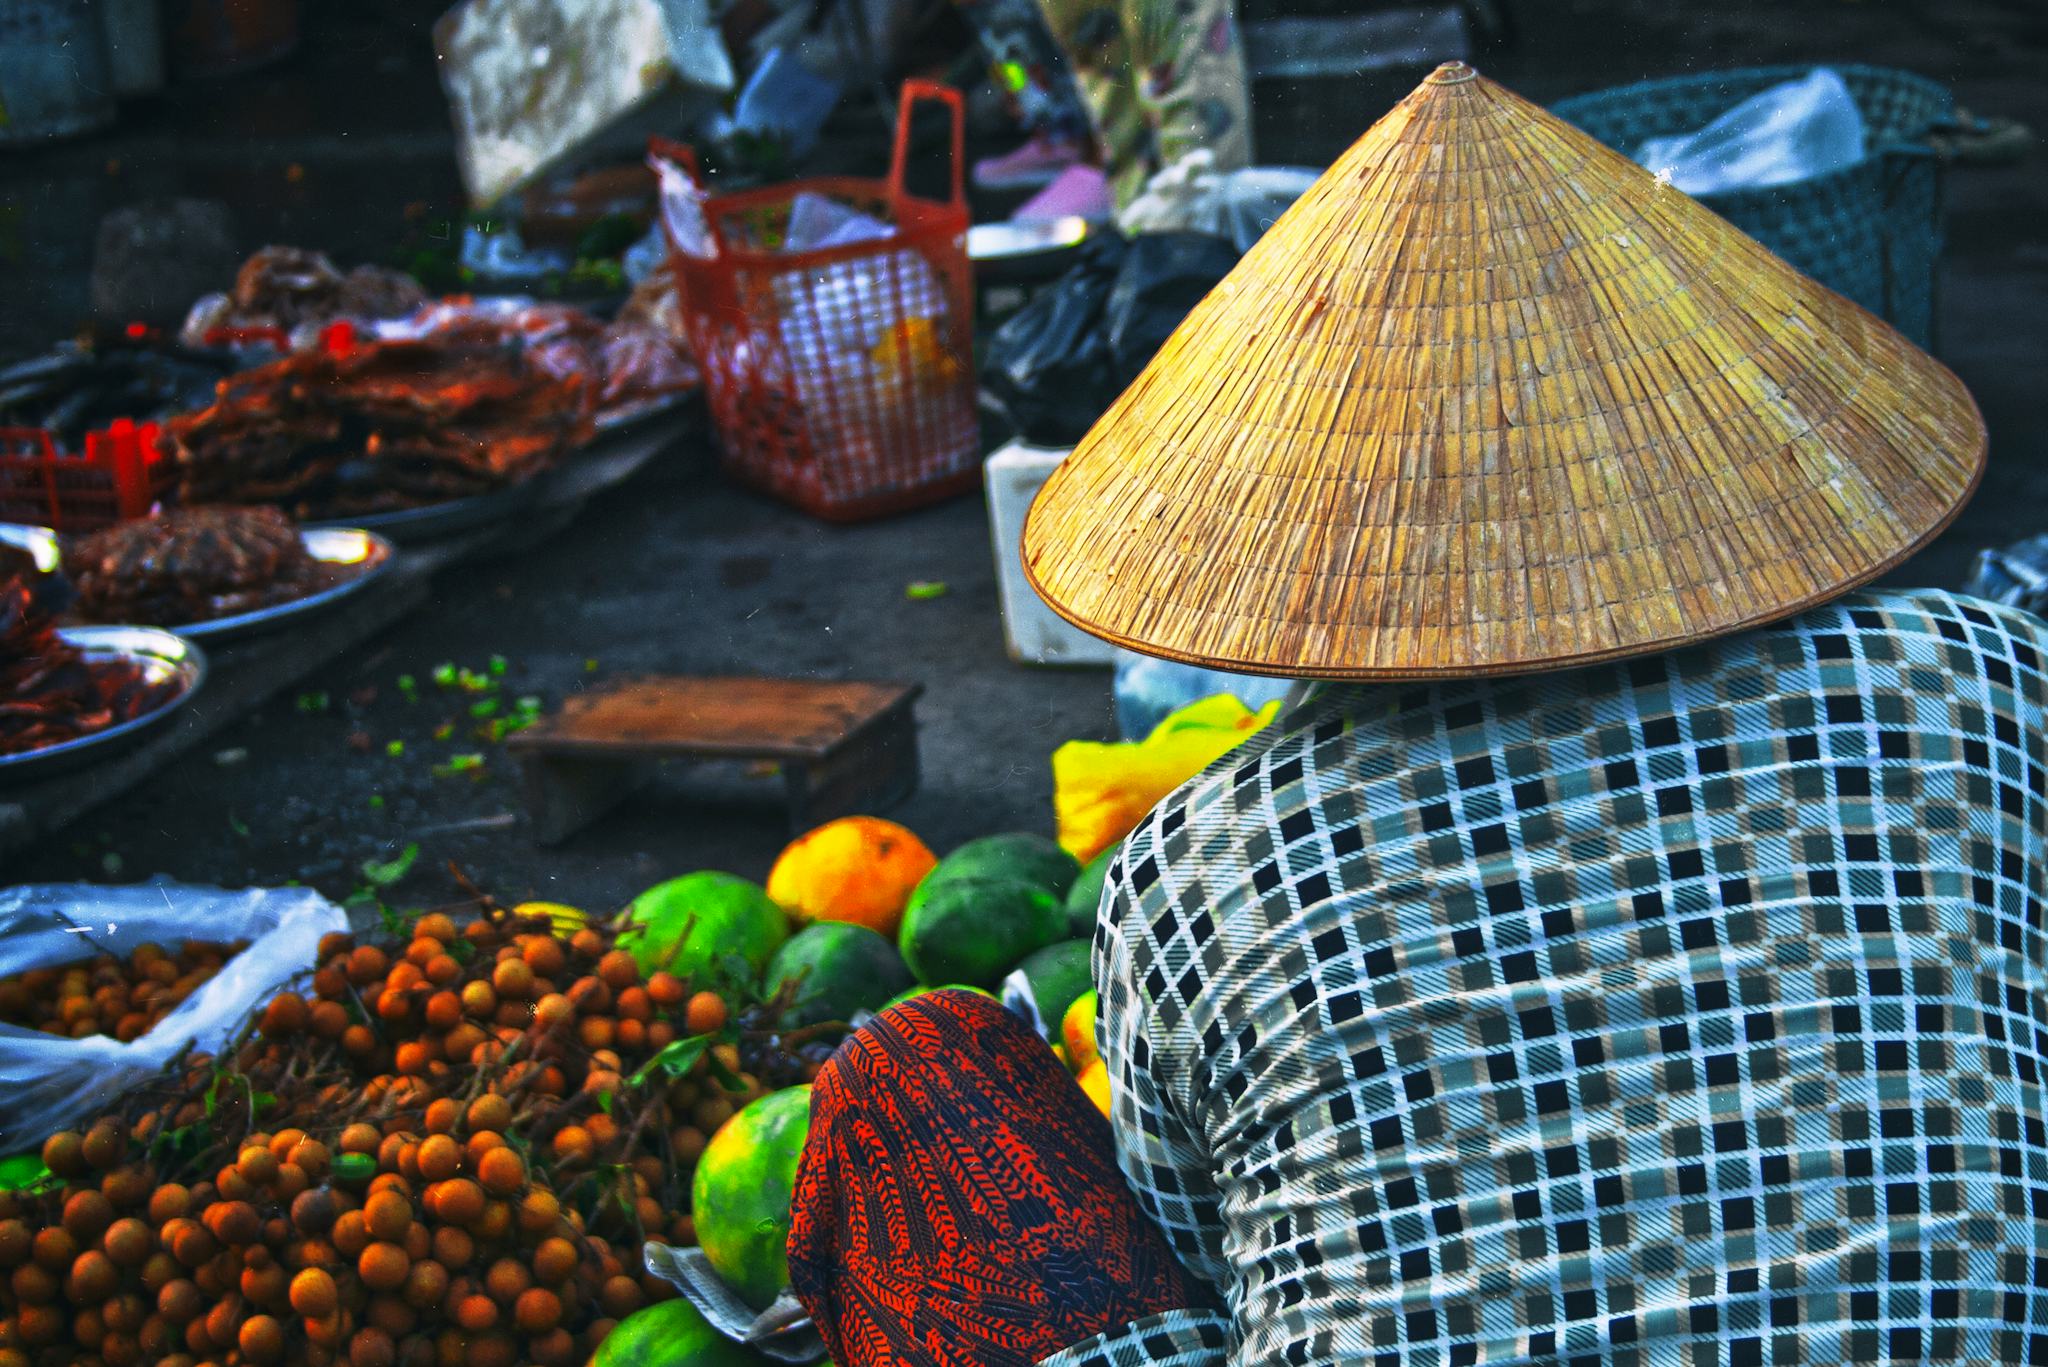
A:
671,1334
694,925
1020,855
740,1198
920,990
838,968
1046,983
975,930
1084,899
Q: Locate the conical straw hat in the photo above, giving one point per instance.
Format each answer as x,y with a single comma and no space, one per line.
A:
1491,398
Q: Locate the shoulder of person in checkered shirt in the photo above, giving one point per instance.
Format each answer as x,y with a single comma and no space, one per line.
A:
1684,1010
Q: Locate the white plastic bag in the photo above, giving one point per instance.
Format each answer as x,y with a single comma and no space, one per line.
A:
47,1082
1189,196
1794,131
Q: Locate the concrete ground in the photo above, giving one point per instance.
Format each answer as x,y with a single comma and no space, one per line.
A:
682,572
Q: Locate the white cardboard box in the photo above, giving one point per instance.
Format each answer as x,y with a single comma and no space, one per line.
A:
1035,633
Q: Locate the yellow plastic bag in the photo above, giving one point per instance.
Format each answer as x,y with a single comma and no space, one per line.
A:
1102,791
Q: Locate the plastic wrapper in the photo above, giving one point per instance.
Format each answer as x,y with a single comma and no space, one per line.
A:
48,1083
1102,791
781,1333
1794,131
1163,276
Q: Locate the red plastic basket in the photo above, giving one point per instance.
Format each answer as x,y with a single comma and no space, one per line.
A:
840,379
124,471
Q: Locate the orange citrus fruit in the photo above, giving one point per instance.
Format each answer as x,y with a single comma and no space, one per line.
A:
859,869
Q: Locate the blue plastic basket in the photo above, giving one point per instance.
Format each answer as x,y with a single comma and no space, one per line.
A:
1872,231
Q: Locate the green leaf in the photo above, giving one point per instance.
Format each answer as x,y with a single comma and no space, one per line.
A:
394,748
444,675
483,709
238,826
462,950
376,802
313,702
499,664
590,665
410,687
604,1102
925,589
383,874
726,1077
674,1060
22,1172
460,764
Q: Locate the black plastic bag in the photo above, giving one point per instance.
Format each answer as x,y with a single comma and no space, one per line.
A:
1050,364
1164,275
1063,359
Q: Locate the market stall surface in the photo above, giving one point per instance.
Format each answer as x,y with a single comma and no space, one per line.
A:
681,572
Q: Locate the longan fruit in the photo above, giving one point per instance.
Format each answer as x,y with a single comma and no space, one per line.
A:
103,1145
501,1171
538,1210
476,1313
383,1266
543,954
126,1187
444,1011
180,1301
129,1242
168,1202
453,1247
366,964
620,1295
556,1348
555,1260
372,1347
440,1158
461,1202
87,1215
536,1311
479,1000
358,1041
64,1154
93,1278
16,1242
258,1166
261,1339
512,979
704,1014
437,926
350,1235
489,1112
54,1249
388,1215
572,1144
618,970
234,1222
665,989
286,1014
426,1284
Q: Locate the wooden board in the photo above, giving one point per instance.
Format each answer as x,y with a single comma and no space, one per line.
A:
784,719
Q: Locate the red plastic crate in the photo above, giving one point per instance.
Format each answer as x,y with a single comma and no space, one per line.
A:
123,472
844,429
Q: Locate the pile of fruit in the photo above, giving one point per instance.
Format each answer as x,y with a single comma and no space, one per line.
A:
451,1150
109,995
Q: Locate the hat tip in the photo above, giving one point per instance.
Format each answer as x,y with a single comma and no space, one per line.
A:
1450,73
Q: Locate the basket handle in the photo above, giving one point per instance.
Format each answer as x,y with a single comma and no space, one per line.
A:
915,91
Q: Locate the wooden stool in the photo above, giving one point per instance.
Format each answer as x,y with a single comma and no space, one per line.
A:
843,747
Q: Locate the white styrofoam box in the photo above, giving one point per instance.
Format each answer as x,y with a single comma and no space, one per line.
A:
1036,634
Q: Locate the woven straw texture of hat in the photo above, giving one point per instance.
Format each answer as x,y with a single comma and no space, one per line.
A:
1490,398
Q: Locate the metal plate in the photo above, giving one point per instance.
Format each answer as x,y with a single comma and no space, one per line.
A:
39,542
1013,242
436,521
162,655
330,546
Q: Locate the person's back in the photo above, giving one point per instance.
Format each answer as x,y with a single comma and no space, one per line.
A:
1679,1010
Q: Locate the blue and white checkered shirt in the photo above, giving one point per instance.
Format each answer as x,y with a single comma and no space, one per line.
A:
1684,1011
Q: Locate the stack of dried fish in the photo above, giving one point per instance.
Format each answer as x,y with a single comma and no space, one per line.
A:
192,565
49,692
631,361
293,290
73,390
384,426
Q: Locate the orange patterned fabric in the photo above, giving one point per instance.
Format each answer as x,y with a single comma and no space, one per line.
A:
959,1204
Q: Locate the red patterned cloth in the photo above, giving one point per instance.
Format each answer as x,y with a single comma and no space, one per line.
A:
959,1203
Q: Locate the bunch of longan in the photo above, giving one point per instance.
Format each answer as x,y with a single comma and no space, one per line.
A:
439,1158
108,995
